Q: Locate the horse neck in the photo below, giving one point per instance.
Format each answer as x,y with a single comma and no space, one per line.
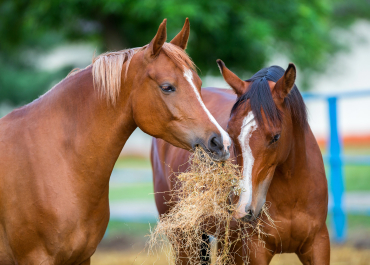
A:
88,130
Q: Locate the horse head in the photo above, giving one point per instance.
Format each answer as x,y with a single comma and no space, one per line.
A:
261,128
166,100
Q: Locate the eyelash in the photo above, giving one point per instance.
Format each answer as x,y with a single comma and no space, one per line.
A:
275,138
167,88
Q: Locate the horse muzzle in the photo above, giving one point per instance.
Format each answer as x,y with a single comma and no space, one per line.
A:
214,147
249,213
250,216
218,149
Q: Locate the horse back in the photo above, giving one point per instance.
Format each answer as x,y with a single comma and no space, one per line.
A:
168,160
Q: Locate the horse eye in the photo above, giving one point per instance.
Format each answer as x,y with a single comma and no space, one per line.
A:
275,138
167,88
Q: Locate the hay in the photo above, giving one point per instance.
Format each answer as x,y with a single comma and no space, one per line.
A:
201,204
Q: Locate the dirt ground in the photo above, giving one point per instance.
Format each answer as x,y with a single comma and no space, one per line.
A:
340,255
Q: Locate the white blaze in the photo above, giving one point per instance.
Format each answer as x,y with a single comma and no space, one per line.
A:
225,137
248,127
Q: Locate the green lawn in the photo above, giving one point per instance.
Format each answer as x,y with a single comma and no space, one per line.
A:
131,191
354,221
358,222
356,150
352,150
357,178
129,229
132,162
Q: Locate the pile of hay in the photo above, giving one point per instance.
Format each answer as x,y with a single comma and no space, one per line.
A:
201,204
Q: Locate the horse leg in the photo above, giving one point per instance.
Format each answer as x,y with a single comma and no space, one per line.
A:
186,256
205,249
317,252
235,251
258,255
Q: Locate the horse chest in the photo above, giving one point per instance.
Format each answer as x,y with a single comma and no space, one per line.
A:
61,237
292,231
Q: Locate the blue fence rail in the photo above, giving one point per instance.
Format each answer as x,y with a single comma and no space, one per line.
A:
335,158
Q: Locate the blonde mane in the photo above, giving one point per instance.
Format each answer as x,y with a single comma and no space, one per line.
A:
107,68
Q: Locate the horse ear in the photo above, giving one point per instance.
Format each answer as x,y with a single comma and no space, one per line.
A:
181,39
239,86
157,42
285,84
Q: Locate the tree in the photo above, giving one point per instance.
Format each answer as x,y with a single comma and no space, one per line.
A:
242,33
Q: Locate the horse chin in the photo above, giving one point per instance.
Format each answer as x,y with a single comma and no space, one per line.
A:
251,219
219,158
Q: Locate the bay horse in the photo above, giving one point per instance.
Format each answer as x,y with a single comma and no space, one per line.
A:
57,153
281,163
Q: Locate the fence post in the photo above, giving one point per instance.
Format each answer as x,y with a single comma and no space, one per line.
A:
336,174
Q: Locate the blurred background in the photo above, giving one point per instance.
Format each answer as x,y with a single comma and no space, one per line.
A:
328,40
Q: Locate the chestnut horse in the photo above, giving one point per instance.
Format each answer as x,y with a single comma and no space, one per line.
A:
280,160
57,153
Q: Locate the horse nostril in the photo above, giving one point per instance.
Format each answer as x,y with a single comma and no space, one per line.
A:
215,144
248,217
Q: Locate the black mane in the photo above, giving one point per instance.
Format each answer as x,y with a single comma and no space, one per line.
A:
260,97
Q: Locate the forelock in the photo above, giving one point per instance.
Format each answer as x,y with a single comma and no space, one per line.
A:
261,100
178,56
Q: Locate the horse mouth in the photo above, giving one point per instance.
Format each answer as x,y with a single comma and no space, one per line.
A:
213,155
251,218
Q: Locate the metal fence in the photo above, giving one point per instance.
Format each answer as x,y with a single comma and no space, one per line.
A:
336,160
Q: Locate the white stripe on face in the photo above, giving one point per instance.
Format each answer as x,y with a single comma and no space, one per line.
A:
248,127
225,137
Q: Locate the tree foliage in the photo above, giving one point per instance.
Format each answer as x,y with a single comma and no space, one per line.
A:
245,34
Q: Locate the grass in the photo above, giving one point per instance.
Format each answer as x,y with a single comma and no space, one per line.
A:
351,150
358,222
131,191
356,178
354,222
129,229
133,162
356,150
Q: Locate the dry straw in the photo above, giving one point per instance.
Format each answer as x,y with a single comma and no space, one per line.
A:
201,204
